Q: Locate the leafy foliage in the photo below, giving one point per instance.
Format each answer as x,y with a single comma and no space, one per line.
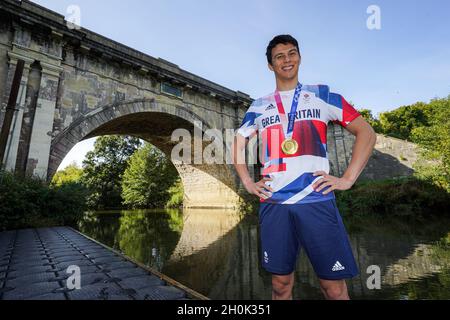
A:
148,179
30,202
367,115
72,173
434,139
400,122
426,124
176,195
103,170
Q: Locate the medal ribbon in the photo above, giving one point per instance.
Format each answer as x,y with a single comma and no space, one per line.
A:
291,116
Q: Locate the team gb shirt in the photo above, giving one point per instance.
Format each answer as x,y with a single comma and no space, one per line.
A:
293,174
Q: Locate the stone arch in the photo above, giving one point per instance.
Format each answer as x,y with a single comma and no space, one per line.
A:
153,120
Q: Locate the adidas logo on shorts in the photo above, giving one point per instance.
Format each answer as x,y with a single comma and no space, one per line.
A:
338,266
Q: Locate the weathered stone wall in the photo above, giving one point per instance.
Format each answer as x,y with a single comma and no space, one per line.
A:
339,148
9,160
5,45
391,157
32,46
89,84
29,112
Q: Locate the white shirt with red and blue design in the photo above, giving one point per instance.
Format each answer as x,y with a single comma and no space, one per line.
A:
292,175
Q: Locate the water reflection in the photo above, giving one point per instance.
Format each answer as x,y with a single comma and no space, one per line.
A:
149,236
216,252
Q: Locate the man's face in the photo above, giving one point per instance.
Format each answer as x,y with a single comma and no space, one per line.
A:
285,61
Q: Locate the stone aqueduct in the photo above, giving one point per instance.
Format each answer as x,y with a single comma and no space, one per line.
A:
77,84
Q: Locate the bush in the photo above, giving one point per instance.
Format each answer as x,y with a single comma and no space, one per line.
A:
30,202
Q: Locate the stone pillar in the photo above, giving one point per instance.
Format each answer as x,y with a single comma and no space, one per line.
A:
34,81
5,46
41,136
14,135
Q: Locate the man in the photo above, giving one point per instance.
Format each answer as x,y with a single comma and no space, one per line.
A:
298,208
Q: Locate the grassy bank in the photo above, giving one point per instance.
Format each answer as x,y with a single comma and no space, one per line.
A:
408,198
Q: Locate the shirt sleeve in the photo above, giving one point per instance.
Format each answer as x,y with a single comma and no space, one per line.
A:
340,111
249,125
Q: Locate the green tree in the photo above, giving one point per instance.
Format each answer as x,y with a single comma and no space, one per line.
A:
176,195
103,169
434,140
400,122
148,179
72,173
367,115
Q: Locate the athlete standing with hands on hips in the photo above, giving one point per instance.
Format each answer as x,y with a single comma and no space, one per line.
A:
297,204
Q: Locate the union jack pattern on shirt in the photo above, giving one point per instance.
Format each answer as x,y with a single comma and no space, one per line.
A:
292,175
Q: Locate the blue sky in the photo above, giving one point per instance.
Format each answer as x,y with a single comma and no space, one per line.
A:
406,61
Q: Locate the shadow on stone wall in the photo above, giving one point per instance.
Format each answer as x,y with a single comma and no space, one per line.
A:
383,166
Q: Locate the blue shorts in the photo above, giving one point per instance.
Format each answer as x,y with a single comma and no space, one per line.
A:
317,228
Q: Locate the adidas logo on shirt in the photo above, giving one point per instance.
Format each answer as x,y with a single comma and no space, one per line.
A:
338,266
270,107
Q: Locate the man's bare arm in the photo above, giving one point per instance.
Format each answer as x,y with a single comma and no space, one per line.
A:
362,149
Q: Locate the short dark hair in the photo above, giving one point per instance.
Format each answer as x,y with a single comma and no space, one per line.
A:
282,38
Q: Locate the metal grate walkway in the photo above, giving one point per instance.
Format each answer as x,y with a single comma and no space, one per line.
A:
34,262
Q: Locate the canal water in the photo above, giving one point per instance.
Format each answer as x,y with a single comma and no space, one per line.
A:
216,252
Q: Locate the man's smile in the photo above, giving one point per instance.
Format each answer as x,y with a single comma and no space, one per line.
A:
287,68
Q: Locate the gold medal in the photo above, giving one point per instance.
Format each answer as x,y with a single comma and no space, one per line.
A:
289,146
